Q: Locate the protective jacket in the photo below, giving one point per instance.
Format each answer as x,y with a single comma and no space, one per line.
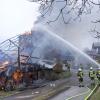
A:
80,74
91,73
98,74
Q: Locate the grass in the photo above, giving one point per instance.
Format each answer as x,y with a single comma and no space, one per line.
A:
8,93
96,95
91,86
65,74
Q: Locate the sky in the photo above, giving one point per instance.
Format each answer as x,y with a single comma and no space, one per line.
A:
16,17
76,32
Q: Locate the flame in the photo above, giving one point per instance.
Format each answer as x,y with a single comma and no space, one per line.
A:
3,67
27,33
5,63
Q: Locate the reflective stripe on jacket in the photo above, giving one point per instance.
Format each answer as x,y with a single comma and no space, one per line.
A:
91,73
98,73
80,74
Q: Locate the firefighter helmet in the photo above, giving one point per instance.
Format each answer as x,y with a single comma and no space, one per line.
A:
79,69
91,68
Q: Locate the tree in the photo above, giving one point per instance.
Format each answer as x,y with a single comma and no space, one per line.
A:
71,10
78,7
58,68
96,33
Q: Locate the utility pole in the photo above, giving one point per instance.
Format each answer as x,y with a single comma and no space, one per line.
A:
18,47
18,57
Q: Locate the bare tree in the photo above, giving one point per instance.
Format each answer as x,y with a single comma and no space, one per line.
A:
78,7
96,33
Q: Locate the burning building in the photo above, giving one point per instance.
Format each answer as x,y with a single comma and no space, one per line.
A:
39,45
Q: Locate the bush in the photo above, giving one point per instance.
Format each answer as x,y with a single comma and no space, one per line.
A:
58,68
51,76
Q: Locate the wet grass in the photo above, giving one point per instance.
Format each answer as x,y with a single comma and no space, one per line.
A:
91,86
65,74
6,94
96,95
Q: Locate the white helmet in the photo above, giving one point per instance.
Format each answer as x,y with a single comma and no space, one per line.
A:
79,69
91,68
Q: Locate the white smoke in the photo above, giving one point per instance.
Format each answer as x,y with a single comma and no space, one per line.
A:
75,32
44,41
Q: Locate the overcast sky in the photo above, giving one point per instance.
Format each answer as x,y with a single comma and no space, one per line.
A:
16,16
75,32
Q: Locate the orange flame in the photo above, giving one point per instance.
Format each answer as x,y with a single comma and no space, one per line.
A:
5,63
27,33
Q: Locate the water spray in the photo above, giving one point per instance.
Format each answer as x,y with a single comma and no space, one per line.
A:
69,44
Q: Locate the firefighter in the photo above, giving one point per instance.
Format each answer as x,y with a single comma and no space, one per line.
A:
98,75
80,77
92,76
68,66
